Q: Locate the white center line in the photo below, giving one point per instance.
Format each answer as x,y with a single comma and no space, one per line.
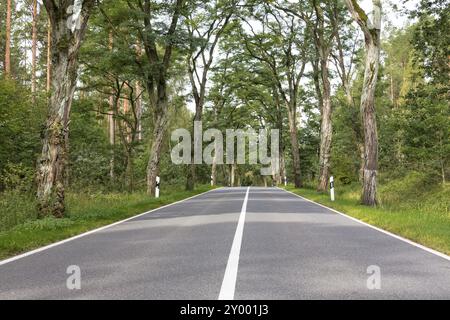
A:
229,280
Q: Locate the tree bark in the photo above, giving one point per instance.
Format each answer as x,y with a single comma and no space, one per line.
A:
49,55
34,52
52,162
326,131
232,175
293,133
8,39
155,150
282,165
139,110
129,171
372,35
323,43
112,137
111,123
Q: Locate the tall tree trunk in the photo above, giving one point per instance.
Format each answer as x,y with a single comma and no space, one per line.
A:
111,123
293,132
112,137
8,39
323,45
155,149
158,97
362,156
279,124
139,110
326,131
34,51
372,35
282,166
126,110
49,55
52,162
369,196
129,171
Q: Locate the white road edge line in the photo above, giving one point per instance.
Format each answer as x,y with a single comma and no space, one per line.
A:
24,255
229,280
415,244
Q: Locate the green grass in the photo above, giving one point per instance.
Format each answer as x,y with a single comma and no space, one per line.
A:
415,211
21,231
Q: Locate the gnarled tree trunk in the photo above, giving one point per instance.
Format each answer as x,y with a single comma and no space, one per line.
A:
49,55
66,44
326,131
369,196
157,77
372,35
155,150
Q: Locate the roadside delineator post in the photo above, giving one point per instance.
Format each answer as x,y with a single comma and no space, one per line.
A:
285,181
158,185
332,189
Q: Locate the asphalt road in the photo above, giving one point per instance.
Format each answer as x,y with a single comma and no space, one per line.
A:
258,243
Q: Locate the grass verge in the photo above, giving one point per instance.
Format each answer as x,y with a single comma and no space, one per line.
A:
423,221
85,213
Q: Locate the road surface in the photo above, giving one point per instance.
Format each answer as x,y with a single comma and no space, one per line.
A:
240,243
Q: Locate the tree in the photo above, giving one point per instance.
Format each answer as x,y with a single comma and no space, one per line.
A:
287,66
427,131
8,39
34,50
156,78
372,35
345,57
67,36
324,44
205,29
49,55
151,29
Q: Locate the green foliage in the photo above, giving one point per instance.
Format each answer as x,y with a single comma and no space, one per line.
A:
345,157
416,191
431,40
17,177
16,207
20,124
427,130
89,148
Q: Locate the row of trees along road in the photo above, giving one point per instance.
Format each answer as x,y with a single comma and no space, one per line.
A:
116,77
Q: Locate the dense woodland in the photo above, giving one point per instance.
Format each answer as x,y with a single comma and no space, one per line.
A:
88,105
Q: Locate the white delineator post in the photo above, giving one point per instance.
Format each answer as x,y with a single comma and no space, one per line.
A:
285,181
332,189
158,184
